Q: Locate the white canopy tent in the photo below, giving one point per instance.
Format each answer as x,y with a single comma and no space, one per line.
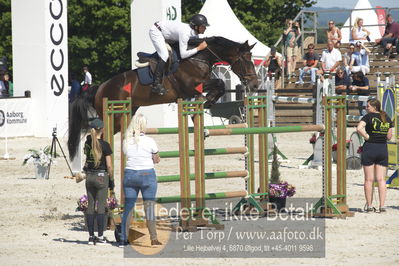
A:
223,22
369,18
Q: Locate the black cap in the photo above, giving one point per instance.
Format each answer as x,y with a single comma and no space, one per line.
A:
273,49
96,123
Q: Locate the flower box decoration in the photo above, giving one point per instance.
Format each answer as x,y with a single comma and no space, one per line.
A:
41,159
278,190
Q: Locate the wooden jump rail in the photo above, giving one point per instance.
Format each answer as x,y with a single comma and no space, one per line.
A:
333,204
191,153
329,205
123,109
175,130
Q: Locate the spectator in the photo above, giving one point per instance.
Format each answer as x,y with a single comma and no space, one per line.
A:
3,86
391,35
75,88
274,64
376,128
342,81
347,57
10,85
86,83
360,59
311,60
334,34
360,86
142,153
290,34
330,58
99,178
359,33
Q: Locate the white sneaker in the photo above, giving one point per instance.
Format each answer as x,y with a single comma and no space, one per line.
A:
299,82
92,240
102,241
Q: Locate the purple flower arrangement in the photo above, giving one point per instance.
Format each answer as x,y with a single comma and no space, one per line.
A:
83,203
112,203
281,190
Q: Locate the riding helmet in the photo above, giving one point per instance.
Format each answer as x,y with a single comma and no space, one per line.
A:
198,20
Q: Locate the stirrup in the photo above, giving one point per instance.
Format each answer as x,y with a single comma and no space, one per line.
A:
155,88
162,91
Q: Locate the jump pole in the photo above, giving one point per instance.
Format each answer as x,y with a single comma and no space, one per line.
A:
393,180
333,205
193,217
175,130
123,109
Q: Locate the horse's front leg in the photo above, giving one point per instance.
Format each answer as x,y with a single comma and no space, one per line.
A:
215,89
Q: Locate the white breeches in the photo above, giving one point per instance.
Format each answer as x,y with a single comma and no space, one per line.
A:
364,69
159,43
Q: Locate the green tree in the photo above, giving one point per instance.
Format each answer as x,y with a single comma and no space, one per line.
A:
265,19
5,31
99,37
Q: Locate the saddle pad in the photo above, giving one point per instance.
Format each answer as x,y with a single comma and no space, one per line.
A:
145,75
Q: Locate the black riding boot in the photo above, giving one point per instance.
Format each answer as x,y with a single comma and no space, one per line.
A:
158,75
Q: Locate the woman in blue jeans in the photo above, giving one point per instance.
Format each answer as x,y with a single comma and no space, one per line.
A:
141,155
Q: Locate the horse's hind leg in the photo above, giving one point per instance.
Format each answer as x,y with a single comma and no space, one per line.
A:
215,89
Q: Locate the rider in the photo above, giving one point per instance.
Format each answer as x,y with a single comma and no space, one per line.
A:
175,31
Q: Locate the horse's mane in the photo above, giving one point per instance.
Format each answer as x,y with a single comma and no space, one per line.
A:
216,40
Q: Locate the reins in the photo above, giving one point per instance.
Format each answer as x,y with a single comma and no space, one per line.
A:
241,76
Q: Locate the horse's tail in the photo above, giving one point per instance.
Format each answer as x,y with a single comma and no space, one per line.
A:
79,118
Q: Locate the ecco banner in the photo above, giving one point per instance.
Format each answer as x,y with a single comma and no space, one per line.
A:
15,117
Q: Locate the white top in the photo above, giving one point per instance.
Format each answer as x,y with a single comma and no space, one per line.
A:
359,33
361,58
181,32
88,78
139,155
330,58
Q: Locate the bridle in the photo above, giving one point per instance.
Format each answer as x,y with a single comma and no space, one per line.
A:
243,77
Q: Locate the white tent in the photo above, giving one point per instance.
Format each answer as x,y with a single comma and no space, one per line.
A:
369,18
223,22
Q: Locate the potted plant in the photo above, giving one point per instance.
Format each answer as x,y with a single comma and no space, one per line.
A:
112,203
278,190
41,159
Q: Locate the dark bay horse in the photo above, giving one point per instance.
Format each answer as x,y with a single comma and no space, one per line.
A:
191,73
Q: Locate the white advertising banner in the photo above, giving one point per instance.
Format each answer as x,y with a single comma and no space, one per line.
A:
16,117
40,61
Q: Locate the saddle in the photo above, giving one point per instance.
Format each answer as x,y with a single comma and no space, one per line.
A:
147,63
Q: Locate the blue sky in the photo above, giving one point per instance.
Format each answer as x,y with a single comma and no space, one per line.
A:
351,3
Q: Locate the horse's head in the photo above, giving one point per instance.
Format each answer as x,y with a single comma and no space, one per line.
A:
242,65
238,55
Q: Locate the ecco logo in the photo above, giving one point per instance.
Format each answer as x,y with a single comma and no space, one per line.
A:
57,81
